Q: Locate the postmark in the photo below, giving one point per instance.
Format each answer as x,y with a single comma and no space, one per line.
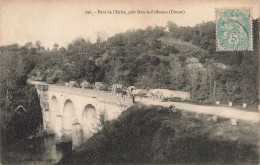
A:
234,29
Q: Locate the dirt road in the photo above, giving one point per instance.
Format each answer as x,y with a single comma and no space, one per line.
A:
224,112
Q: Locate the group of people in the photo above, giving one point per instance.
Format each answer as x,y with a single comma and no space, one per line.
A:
126,91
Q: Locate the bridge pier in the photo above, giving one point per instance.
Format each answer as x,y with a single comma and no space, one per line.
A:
42,91
58,129
77,135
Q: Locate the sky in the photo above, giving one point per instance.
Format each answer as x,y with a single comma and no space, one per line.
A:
63,21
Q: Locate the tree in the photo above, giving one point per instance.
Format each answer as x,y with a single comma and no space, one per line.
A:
55,46
28,45
14,92
38,45
176,73
173,28
101,36
62,51
114,71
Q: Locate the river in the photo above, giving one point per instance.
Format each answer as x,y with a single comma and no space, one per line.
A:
40,151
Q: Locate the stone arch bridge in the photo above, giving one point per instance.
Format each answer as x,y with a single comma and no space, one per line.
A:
74,114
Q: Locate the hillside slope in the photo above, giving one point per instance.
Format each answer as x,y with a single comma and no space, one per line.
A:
182,59
157,135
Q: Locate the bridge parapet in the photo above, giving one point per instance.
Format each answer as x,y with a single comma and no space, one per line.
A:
102,96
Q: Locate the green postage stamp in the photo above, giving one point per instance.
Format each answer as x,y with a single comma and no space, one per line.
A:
234,29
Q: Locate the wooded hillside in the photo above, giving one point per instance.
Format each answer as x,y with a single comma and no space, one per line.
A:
172,57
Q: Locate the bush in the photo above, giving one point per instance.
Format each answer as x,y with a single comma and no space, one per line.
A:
174,99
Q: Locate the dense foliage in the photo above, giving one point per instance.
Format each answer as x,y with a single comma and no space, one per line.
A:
157,135
16,123
172,57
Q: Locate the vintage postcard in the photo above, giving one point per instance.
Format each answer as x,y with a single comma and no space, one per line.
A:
129,82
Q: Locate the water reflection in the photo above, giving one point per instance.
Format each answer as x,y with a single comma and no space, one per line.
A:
46,150
35,151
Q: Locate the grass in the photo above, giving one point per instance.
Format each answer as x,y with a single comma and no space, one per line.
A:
184,47
244,132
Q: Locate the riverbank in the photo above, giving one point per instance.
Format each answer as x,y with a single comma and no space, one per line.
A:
37,150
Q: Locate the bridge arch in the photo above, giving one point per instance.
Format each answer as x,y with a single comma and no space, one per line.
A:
54,111
69,118
89,120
